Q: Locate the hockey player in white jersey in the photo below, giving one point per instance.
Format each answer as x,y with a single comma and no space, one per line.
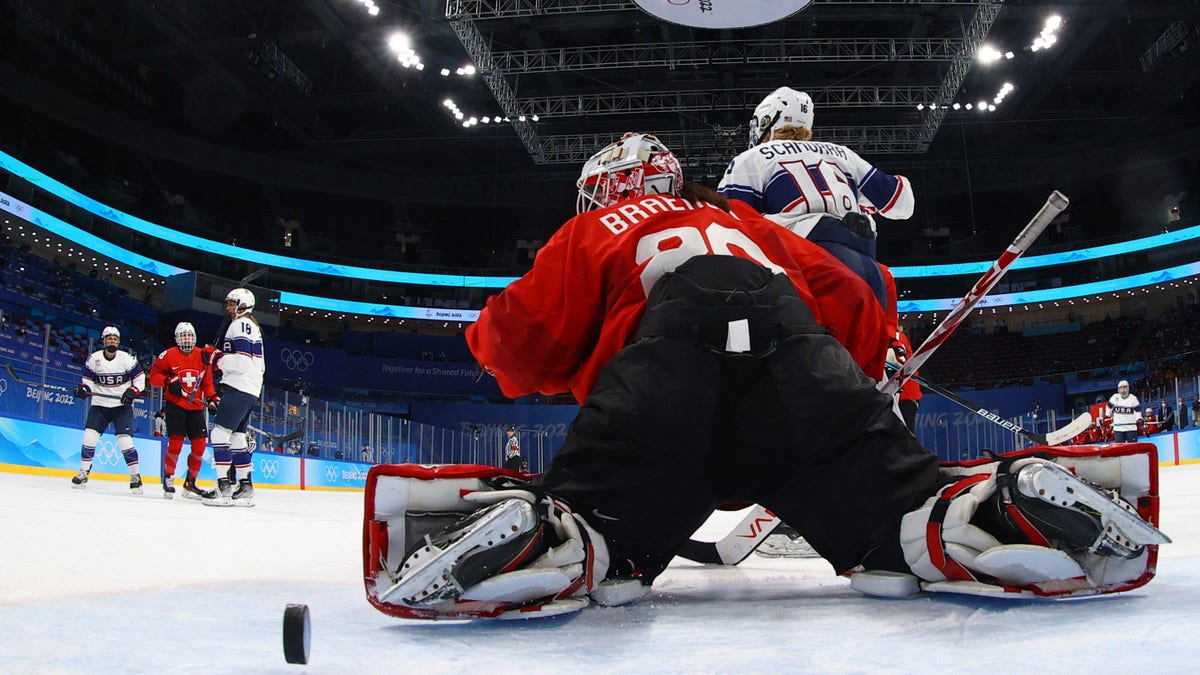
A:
1126,411
822,191
240,361
112,379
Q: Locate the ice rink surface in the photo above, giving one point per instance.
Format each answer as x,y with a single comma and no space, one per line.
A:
100,581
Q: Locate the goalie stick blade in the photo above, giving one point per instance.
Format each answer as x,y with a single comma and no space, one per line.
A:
736,546
1076,427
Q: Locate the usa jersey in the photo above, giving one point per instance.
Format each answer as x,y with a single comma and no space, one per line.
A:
193,375
112,376
1125,412
241,361
790,180
555,328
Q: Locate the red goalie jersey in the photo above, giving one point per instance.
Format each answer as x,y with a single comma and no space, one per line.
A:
554,329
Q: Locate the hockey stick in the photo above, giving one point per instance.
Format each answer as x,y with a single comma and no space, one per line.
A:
224,325
734,547
1056,437
1053,206
54,387
291,436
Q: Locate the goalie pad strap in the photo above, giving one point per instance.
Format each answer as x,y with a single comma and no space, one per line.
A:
950,567
1019,519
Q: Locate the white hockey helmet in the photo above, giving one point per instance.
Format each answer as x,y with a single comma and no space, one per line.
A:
1123,383
244,299
185,336
635,166
784,107
110,330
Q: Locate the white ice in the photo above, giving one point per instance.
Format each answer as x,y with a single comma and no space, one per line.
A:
100,581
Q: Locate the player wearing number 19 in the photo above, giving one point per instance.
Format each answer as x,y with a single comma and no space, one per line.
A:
240,360
112,379
187,384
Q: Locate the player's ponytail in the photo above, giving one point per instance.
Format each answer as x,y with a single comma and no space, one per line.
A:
697,193
791,133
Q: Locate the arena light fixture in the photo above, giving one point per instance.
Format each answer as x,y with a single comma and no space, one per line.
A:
988,54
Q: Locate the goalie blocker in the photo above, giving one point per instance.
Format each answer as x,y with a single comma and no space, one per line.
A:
468,541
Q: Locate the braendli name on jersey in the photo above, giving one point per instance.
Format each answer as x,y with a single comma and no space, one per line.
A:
633,213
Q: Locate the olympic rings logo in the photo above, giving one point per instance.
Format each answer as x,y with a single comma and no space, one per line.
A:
331,473
294,359
107,454
269,468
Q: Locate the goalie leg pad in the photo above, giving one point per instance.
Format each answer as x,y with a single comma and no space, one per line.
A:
1044,522
472,542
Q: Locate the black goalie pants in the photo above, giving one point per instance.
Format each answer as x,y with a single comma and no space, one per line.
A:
675,427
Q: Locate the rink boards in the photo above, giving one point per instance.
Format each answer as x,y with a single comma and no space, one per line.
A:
29,446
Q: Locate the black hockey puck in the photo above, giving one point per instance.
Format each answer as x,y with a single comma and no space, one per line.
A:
296,633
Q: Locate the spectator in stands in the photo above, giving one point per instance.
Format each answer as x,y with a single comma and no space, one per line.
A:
1181,420
367,455
313,450
1166,418
1196,410
160,423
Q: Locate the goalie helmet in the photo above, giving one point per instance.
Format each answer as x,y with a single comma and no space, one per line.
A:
636,165
784,107
243,298
185,337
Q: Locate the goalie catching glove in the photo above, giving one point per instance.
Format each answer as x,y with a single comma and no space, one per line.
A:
1048,522
479,542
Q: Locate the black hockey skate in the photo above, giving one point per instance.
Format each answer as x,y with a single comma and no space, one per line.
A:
220,496
190,491
1070,513
135,484
244,494
476,547
168,485
80,480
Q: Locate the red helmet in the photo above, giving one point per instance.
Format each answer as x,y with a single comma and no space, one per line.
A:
636,165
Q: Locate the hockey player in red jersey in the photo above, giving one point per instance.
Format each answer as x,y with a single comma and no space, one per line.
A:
707,376
184,374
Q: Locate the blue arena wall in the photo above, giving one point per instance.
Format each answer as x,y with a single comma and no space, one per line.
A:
31,446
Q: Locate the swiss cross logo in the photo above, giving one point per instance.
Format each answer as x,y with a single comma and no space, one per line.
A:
189,378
